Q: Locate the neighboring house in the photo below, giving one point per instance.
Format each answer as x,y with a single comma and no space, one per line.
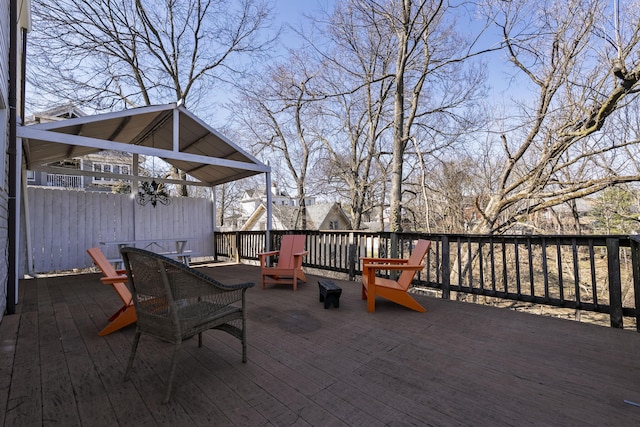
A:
55,114
111,162
252,199
107,162
323,216
286,213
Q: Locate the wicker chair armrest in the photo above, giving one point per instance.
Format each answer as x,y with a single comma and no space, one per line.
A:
188,283
211,282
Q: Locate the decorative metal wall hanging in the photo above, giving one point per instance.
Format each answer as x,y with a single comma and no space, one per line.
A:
152,192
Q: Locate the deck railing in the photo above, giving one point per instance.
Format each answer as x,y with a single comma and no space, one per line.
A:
68,181
598,274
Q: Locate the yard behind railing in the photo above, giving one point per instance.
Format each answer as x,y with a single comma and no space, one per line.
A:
593,274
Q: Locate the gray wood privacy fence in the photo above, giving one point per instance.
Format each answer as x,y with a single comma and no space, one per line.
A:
63,223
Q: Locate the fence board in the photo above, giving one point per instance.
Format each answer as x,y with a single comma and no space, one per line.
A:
81,231
35,207
66,232
51,214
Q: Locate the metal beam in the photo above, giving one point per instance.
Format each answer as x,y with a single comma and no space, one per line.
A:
117,176
28,132
106,116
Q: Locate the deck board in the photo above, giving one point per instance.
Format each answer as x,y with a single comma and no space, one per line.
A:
456,364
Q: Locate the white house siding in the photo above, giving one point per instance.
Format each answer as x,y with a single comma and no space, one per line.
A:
4,138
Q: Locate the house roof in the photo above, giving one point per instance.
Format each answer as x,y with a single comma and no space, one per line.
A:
260,193
286,215
57,113
169,132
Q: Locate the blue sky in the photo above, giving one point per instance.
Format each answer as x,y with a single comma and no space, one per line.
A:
291,11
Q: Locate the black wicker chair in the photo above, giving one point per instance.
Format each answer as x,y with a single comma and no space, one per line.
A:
174,302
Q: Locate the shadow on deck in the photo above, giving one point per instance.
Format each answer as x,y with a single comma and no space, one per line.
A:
457,364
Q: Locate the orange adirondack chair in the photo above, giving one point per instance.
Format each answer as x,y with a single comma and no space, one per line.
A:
126,315
392,290
289,268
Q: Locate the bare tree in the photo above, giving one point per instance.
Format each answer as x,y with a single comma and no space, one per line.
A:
109,54
428,55
227,196
115,54
397,73
275,111
566,141
354,103
446,189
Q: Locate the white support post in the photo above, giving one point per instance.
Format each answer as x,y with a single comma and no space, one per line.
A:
16,213
27,222
135,182
269,212
214,208
176,130
214,215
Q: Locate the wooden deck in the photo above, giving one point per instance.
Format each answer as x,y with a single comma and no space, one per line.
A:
457,364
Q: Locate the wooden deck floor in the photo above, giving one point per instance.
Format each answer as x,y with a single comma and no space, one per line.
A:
457,364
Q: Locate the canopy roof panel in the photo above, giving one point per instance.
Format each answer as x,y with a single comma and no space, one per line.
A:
169,132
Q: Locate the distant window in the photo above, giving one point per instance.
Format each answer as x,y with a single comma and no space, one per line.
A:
333,225
31,175
109,168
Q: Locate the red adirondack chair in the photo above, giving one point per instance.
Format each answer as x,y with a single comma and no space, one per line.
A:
393,290
126,315
289,266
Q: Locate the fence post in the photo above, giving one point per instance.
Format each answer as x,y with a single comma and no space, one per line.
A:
238,246
635,266
351,260
215,246
446,273
615,284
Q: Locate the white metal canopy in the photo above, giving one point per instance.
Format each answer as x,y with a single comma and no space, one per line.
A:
169,132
